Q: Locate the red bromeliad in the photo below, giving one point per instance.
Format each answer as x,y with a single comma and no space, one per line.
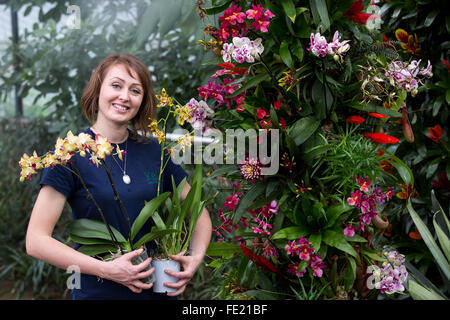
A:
355,119
381,138
377,115
354,13
435,133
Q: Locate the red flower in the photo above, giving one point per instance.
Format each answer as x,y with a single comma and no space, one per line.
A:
435,133
355,119
260,261
232,68
377,115
277,105
356,15
261,113
447,64
283,123
240,109
381,137
415,235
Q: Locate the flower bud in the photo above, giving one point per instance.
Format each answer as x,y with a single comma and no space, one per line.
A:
414,92
336,58
406,126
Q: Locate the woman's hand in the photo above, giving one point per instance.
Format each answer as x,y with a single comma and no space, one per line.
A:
190,265
121,270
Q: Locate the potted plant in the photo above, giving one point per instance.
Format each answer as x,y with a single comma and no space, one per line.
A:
173,229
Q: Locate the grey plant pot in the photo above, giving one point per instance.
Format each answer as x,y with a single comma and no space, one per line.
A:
139,259
161,276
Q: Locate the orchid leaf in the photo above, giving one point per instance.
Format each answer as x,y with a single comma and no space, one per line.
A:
149,209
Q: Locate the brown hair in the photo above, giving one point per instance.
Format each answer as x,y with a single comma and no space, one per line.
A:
89,100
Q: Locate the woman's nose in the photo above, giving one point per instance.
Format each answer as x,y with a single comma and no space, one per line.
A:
124,95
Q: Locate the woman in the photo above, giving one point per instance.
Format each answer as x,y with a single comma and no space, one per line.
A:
119,94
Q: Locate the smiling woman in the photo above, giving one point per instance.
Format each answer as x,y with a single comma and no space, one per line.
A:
118,95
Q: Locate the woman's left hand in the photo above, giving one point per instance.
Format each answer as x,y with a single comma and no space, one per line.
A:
190,264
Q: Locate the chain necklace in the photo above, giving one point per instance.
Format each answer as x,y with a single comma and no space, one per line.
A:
126,178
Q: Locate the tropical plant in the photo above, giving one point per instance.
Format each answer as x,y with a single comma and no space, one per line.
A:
420,287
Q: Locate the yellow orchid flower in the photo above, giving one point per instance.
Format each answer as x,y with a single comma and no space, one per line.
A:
164,99
104,148
183,113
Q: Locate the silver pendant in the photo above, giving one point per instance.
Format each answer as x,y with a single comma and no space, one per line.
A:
126,179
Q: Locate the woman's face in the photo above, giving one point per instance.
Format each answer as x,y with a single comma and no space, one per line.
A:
120,95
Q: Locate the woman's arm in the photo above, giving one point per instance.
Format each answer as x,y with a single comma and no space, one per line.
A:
41,245
200,240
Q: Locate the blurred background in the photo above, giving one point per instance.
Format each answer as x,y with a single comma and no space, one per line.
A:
48,50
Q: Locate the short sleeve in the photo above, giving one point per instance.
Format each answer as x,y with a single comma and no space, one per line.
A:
174,170
59,178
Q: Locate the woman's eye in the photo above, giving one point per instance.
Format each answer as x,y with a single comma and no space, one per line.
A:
135,91
115,85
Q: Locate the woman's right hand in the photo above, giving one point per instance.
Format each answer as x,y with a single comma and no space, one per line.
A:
121,270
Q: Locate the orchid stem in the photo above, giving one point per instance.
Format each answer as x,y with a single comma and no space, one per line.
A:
77,172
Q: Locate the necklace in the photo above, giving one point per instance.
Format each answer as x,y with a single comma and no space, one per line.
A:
126,178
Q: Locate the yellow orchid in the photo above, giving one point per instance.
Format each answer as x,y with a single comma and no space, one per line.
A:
29,165
164,99
71,142
185,141
287,81
160,135
183,113
50,160
104,148
119,152
153,124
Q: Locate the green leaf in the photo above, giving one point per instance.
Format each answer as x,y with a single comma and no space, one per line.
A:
302,129
291,233
224,171
374,108
316,240
335,211
289,9
247,200
403,170
286,55
319,12
430,18
429,240
154,234
220,249
254,81
443,239
297,50
92,250
147,211
218,9
419,292
88,228
336,239
350,274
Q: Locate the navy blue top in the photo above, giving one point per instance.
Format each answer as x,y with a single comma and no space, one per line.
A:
142,165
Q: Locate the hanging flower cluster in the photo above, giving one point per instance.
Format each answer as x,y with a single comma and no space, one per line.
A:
200,111
262,216
367,199
233,21
404,75
64,150
319,46
218,92
304,250
392,274
243,50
